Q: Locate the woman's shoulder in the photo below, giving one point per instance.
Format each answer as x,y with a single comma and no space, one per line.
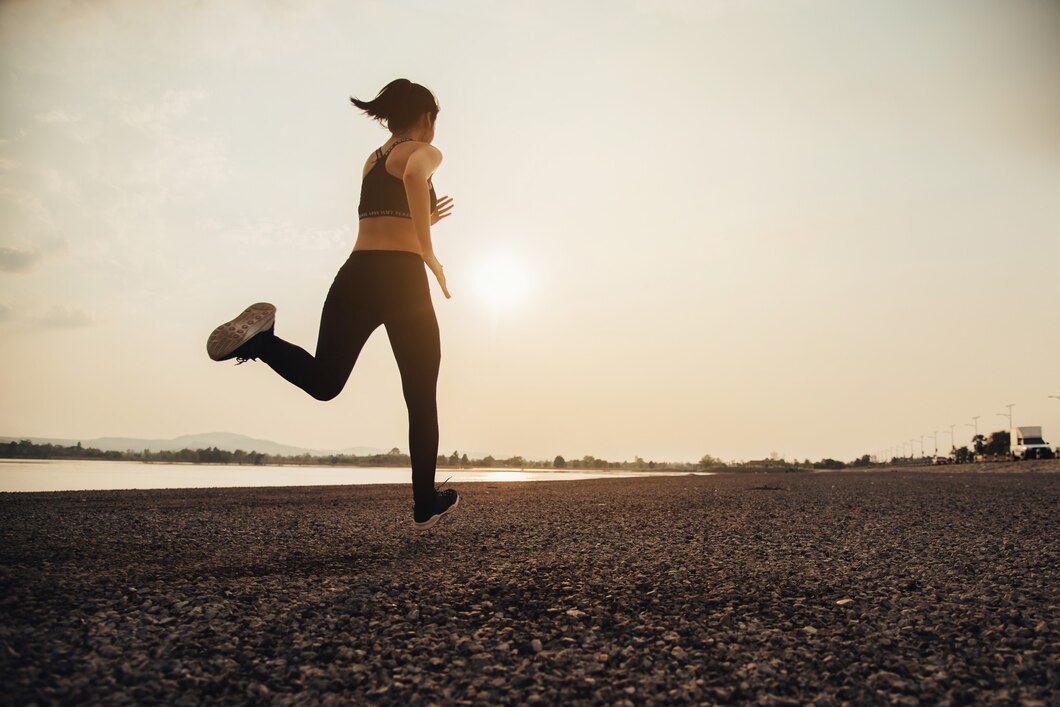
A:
401,153
421,154
412,147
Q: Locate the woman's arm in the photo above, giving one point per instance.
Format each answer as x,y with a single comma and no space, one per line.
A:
420,166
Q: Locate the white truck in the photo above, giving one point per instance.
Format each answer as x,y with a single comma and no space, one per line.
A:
1027,443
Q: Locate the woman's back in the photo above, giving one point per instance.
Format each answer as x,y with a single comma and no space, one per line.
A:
385,216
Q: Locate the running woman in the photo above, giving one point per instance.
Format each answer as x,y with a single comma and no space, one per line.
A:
382,282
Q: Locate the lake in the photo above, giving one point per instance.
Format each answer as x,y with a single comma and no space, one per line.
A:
102,475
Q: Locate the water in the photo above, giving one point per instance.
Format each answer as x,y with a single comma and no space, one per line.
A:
100,475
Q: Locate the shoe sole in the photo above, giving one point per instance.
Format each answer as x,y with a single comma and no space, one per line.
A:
231,335
430,522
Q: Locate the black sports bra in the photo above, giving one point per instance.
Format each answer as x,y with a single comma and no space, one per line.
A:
383,194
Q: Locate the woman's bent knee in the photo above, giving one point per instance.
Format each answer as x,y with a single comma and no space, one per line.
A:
325,393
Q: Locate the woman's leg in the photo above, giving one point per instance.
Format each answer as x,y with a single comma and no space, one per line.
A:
414,339
346,322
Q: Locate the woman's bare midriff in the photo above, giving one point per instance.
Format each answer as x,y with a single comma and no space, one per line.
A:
387,233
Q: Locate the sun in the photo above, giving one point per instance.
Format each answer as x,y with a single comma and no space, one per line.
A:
501,283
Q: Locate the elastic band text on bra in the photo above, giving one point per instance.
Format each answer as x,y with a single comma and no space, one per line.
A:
399,214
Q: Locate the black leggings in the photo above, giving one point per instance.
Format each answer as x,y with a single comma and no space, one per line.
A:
374,287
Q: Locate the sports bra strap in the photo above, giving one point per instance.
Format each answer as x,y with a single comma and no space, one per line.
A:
398,142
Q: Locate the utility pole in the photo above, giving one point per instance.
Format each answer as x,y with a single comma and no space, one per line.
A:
1057,397
1009,414
1009,406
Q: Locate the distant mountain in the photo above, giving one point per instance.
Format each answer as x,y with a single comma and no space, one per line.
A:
227,441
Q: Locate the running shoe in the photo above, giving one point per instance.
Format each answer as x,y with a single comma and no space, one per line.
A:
235,339
445,503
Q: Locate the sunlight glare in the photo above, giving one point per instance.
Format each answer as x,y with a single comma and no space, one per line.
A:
501,282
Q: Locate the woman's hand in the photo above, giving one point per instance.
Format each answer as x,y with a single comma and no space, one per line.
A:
441,209
439,272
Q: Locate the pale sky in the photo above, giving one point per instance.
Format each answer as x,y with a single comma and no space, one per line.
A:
812,227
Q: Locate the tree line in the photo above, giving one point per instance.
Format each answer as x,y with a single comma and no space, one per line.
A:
996,444
458,460
26,449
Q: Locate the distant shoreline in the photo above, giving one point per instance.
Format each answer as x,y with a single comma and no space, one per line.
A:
292,464
1039,465
78,475
27,449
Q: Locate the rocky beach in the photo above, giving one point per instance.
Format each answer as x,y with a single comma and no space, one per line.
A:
908,586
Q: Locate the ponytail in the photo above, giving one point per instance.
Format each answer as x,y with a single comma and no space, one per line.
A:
399,105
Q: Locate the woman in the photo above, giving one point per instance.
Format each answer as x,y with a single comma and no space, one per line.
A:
382,282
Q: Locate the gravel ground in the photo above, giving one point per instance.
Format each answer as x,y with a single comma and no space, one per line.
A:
908,587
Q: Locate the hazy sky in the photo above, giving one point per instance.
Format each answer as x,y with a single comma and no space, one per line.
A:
811,227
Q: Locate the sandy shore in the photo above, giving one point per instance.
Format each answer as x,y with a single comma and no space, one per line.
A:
883,587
